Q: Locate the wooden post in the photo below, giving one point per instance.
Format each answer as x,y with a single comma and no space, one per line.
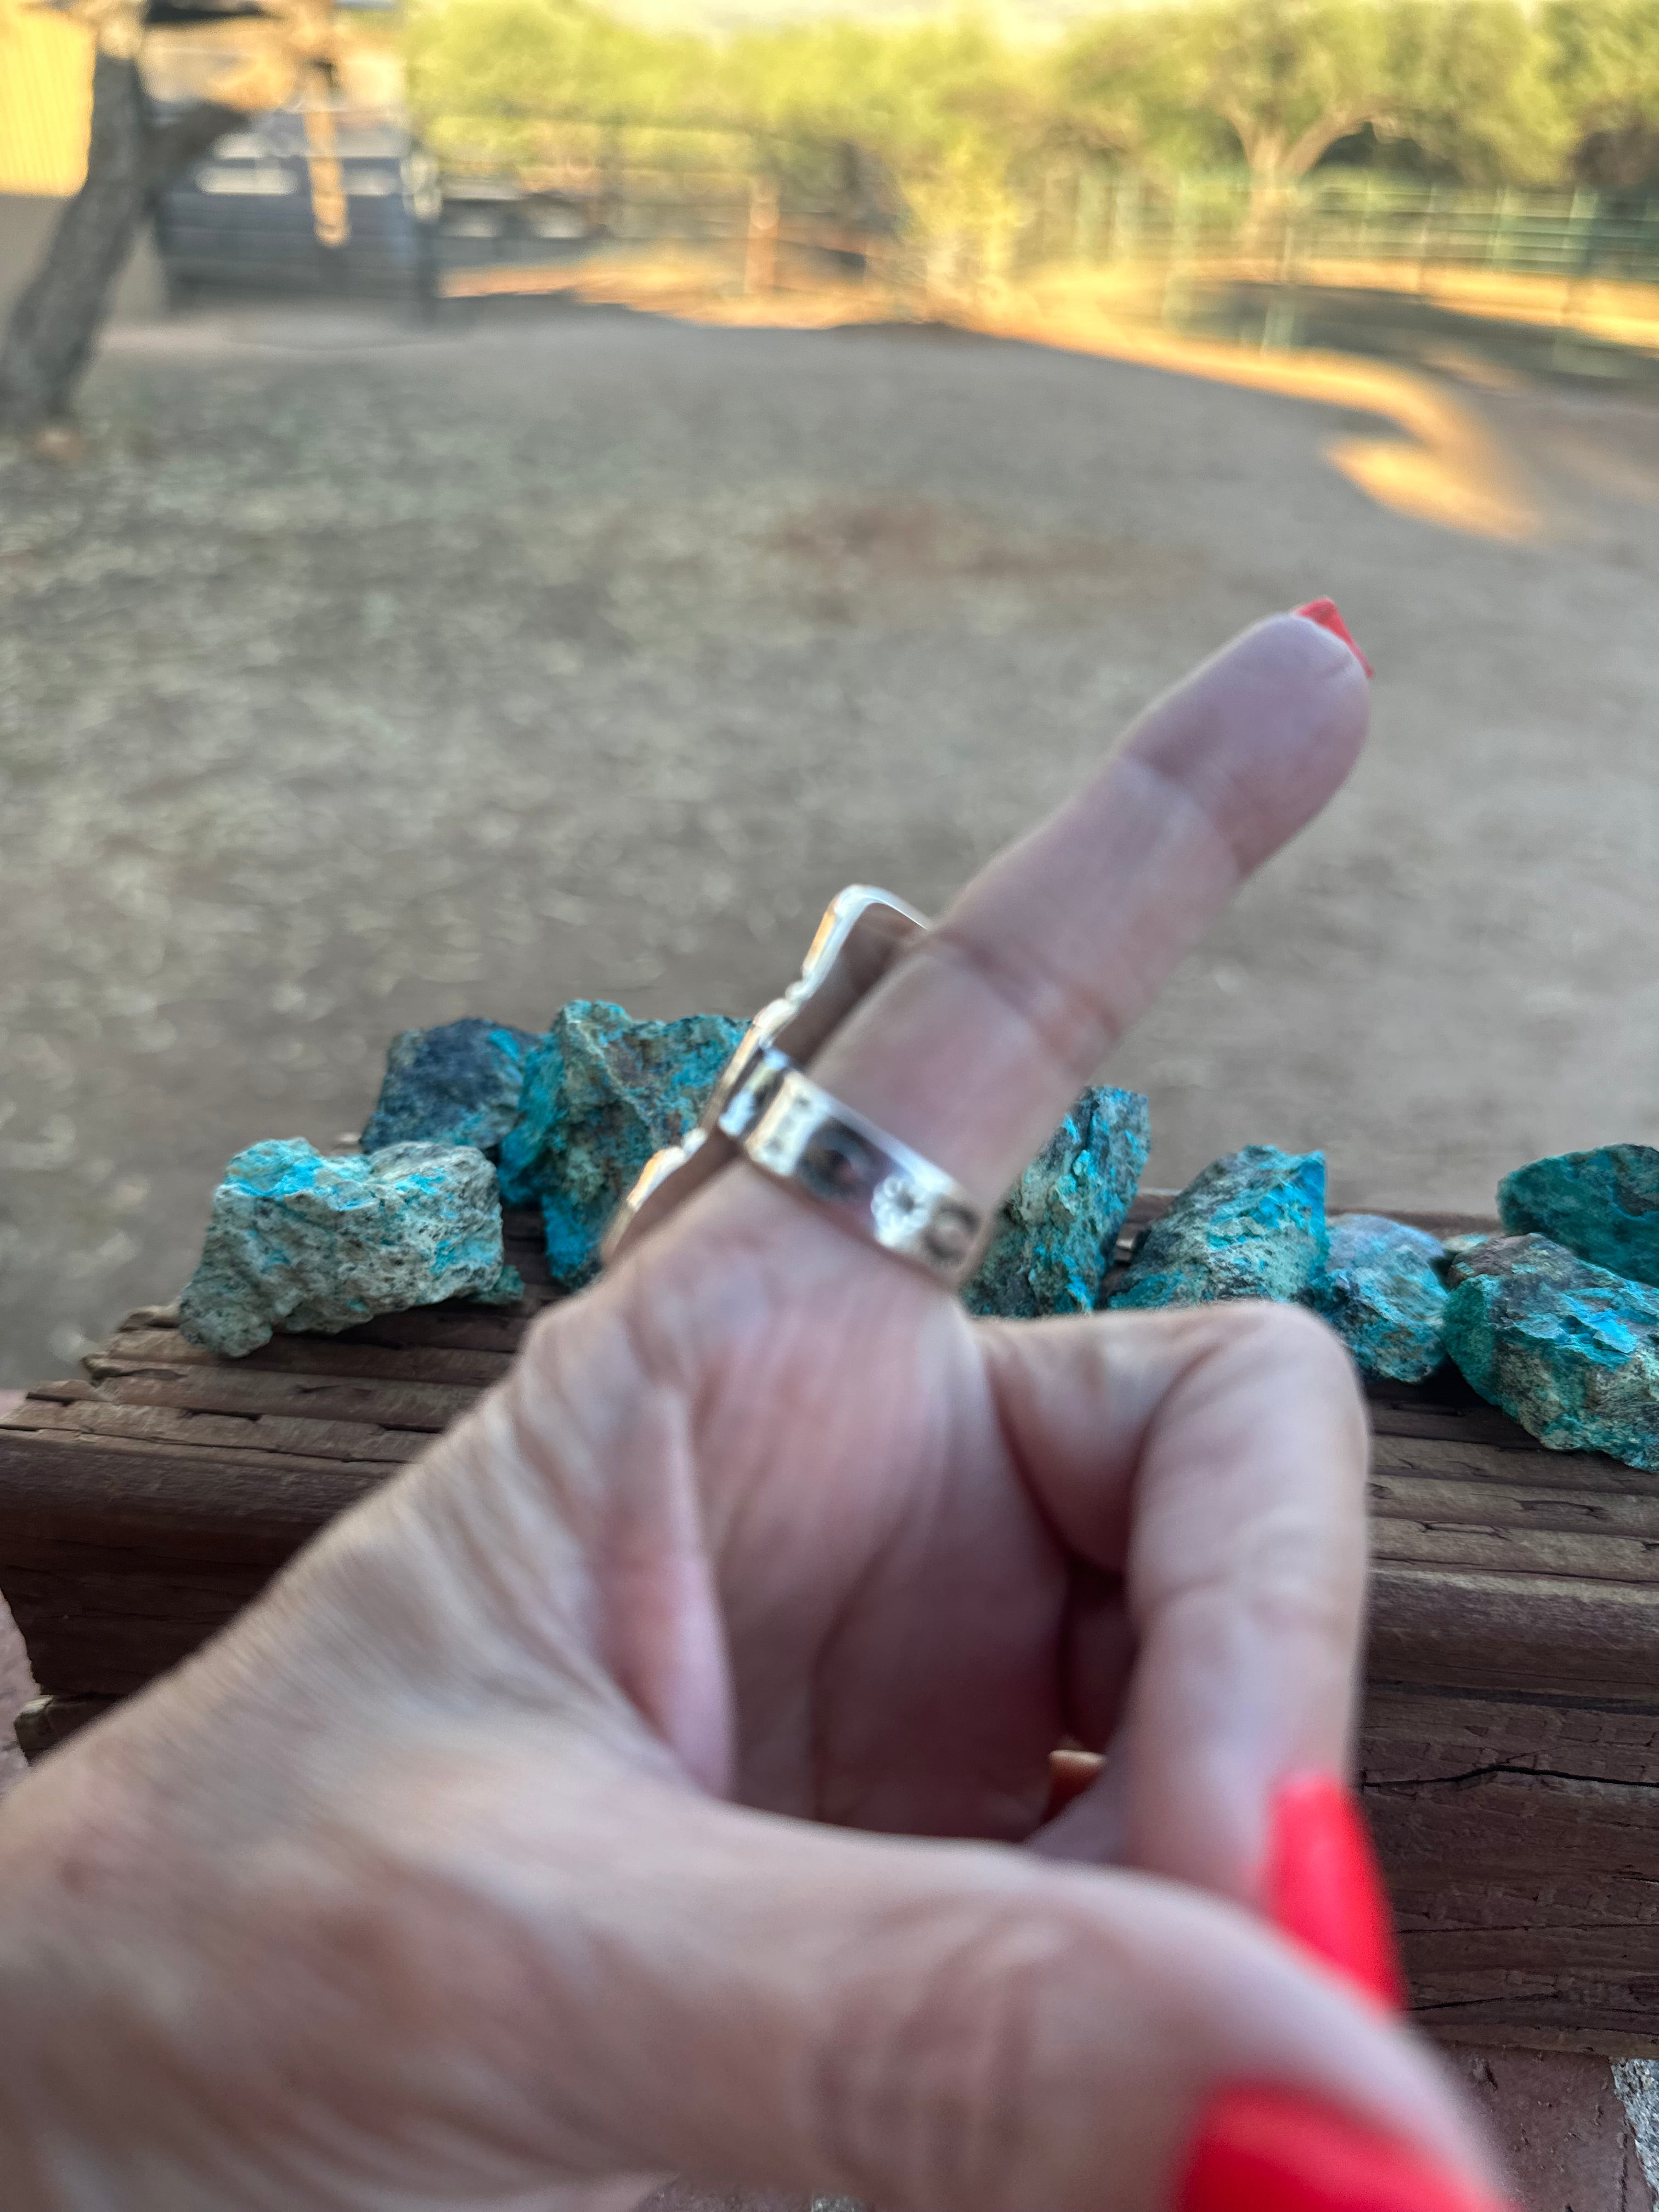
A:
330,216
760,261
1090,192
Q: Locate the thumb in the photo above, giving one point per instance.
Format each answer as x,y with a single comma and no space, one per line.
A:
966,2026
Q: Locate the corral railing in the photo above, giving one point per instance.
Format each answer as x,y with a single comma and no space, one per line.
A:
1352,215
519,184
520,177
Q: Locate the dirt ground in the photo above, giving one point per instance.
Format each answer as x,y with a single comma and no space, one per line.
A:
359,678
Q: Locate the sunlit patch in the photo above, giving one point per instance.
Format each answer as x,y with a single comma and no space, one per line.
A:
1447,468
1456,489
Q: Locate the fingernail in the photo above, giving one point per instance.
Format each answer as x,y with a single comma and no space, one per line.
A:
1276,2150
1323,1888
1327,614
1070,1773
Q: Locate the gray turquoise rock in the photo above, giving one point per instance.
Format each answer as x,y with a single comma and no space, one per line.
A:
1568,1349
602,1093
457,1085
1603,1206
1465,1240
1055,1235
1382,1294
300,1239
1251,1226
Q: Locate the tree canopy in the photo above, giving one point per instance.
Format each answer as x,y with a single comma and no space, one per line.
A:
1485,90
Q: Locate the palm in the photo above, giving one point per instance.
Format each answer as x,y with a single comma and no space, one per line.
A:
895,1603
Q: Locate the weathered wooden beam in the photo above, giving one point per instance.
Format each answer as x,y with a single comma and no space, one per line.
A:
45,1722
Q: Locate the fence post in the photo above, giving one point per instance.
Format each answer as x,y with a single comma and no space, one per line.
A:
760,260
1047,224
1279,324
611,165
1422,238
1126,196
1090,192
1175,287
330,215
1498,244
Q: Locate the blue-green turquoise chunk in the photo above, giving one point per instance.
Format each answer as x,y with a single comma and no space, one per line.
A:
457,1084
1251,1226
601,1094
1382,1294
1057,1226
1568,1349
300,1239
1603,1205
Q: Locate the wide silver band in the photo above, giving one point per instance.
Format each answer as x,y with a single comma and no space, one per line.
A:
766,1107
793,1129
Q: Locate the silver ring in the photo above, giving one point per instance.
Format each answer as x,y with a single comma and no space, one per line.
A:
801,1134
766,1107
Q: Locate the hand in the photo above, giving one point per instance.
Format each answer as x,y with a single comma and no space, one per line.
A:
642,1783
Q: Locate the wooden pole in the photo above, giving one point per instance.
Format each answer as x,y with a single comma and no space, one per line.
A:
760,263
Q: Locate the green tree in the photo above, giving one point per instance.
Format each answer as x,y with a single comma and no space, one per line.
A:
1468,81
1473,88
1603,61
484,74
1289,77
956,118
1128,86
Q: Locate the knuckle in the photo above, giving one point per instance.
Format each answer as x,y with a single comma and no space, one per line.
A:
1280,1335
1299,1355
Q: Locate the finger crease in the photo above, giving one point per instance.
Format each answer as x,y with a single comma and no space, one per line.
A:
1070,1010
1176,789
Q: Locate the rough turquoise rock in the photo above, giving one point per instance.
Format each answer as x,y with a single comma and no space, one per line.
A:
1603,1205
1058,1225
602,1093
1381,1293
1251,1226
300,1239
1467,1240
457,1085
1568,1349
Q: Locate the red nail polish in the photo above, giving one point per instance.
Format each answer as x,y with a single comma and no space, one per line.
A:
1326,613
1322,1884
1276,2150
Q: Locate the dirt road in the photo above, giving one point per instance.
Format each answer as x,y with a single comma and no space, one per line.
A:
358,678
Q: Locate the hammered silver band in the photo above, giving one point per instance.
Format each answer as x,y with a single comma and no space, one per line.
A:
768,1108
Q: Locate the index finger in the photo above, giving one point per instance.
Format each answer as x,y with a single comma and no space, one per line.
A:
978,1039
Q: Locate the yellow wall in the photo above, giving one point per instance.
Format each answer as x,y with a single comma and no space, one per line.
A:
45,100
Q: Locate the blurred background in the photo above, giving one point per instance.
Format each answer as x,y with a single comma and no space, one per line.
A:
503,500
